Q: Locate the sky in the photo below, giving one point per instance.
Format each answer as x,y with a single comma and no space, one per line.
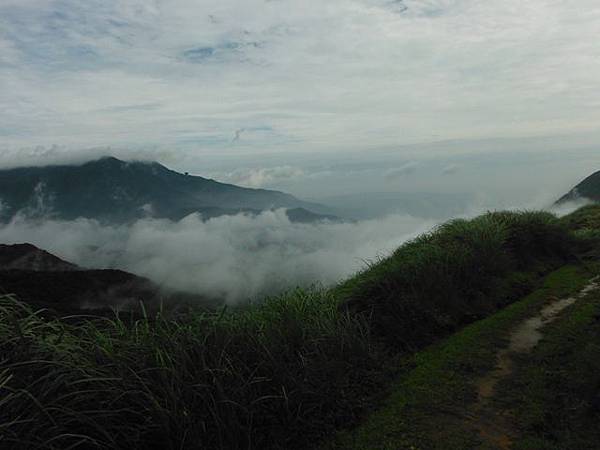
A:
399,113
219,78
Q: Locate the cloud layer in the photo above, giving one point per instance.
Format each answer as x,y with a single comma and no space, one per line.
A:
232,257
258,75
261,177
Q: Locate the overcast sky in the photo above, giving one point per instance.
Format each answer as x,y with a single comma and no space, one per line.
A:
461,105
245,76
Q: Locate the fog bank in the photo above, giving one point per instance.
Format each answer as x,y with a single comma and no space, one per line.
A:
230,257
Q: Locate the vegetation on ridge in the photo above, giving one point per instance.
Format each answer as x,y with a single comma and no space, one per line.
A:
279,374
586,218
428,407
555,392
458,273
124,192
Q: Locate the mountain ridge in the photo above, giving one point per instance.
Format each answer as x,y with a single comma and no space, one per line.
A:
29,257
589,189
115,191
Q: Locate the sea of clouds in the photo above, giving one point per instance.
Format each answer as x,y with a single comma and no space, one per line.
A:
230,257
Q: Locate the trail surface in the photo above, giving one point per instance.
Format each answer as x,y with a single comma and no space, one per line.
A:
496,427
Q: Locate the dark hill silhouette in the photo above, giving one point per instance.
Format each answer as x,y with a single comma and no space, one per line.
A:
303,215
46,281
71,292
587,189
29,257
115,191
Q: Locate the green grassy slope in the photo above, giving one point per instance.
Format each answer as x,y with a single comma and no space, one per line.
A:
555,394
280,374
429,403
554,397
253,378
585,218
462,271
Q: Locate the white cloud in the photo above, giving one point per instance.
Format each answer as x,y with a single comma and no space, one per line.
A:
451,169
397,173
235,257
336,74
261,177
565,208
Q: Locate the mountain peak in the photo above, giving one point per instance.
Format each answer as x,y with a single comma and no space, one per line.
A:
109,162
588,189
111,159
106,161
114,191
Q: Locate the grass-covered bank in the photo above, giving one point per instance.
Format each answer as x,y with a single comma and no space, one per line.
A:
252,379
555,393
461,272
429,403
585,218
280,374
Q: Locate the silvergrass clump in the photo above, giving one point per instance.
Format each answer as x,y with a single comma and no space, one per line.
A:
584,218
272,375
585,224
461,271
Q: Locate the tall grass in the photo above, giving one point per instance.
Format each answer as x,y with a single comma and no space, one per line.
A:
584,218
278,374
585,225
273,375
461,271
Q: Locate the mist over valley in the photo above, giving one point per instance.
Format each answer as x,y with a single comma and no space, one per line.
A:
299,224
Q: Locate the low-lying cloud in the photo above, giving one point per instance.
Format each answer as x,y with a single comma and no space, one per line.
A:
261,177
564,208
397,173
451,169
230,257
64,155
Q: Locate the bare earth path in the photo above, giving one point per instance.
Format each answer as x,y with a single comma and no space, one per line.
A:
496,427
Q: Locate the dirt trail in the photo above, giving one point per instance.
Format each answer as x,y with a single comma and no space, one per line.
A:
494,426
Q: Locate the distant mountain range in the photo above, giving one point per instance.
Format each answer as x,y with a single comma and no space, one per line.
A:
115,191
588,189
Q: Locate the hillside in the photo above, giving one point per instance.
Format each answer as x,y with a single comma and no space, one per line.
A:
43,280
115,191
422,326
588,189
29,257
73,292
